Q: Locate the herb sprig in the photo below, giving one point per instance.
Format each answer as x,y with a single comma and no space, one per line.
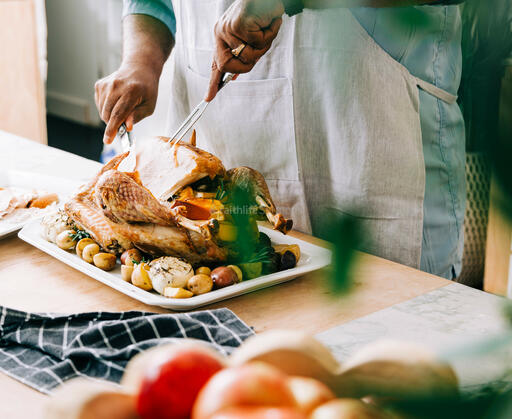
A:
262,255
221,191
143,260
79,235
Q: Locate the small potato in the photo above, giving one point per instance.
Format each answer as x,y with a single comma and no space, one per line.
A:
81,244
172,292
141,278
65,239
89,251
204,270
238,272
200,284
105,261
126,272
223,277
131,257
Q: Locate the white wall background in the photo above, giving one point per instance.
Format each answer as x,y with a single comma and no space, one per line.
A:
84,44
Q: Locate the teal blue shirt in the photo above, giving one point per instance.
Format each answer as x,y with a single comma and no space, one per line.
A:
426,40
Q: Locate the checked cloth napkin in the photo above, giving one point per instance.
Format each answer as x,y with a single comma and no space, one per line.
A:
43,350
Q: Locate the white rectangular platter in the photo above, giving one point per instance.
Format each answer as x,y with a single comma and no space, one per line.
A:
64,188
312,258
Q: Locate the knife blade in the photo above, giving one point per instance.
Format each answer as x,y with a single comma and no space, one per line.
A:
197,112
125,137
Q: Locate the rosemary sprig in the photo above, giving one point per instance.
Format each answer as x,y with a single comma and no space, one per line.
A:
261,255
143,260
221,191
79,235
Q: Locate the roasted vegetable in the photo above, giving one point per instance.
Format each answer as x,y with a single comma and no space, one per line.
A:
294,248
81,245
53,224
264,241
192,211
104,261
203,270
224,277
141,278
272,263
131,257
126,272
288,260
227,232
172,292
89,251
251,270
65,239
238,272
169,271
200,284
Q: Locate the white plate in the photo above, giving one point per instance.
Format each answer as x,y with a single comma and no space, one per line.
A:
312,258
29,181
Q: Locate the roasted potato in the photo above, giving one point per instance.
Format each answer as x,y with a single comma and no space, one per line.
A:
105,261
65,239
204,270
131,257
89,251
126,272
140,277
200,284
172,292
81,245
224,277
238,272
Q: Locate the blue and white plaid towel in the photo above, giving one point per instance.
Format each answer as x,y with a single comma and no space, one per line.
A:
44,350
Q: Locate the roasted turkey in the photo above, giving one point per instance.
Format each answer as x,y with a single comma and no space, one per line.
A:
162,197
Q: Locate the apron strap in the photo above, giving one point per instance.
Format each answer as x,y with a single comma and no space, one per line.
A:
436,91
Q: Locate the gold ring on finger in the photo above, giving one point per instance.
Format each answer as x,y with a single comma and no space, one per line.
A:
238,50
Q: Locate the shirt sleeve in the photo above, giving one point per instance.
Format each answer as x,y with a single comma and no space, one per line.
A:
159,9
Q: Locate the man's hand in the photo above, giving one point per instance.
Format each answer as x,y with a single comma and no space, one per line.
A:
127,95
254,23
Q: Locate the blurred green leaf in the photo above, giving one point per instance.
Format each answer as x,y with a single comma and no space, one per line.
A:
241,208
344,233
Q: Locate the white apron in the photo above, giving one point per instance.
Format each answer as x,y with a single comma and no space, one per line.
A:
328,117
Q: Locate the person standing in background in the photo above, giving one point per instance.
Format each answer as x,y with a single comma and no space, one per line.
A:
332,114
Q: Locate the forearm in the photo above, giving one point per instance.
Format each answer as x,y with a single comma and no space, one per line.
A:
146,42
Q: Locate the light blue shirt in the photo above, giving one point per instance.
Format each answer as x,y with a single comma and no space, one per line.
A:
426,40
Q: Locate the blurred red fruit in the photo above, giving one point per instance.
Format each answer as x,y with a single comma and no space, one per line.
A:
253,384
170,386
259,413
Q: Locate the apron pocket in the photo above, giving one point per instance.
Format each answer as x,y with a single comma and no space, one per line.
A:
249,123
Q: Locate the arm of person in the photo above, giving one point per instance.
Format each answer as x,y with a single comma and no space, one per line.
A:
252,25
129,94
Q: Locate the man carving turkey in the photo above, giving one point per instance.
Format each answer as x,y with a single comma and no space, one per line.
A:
352,109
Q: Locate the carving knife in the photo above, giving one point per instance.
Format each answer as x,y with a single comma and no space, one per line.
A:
197,112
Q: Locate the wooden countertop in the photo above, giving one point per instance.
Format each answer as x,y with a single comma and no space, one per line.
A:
30,280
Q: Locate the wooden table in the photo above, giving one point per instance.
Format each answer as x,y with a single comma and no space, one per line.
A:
33,281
